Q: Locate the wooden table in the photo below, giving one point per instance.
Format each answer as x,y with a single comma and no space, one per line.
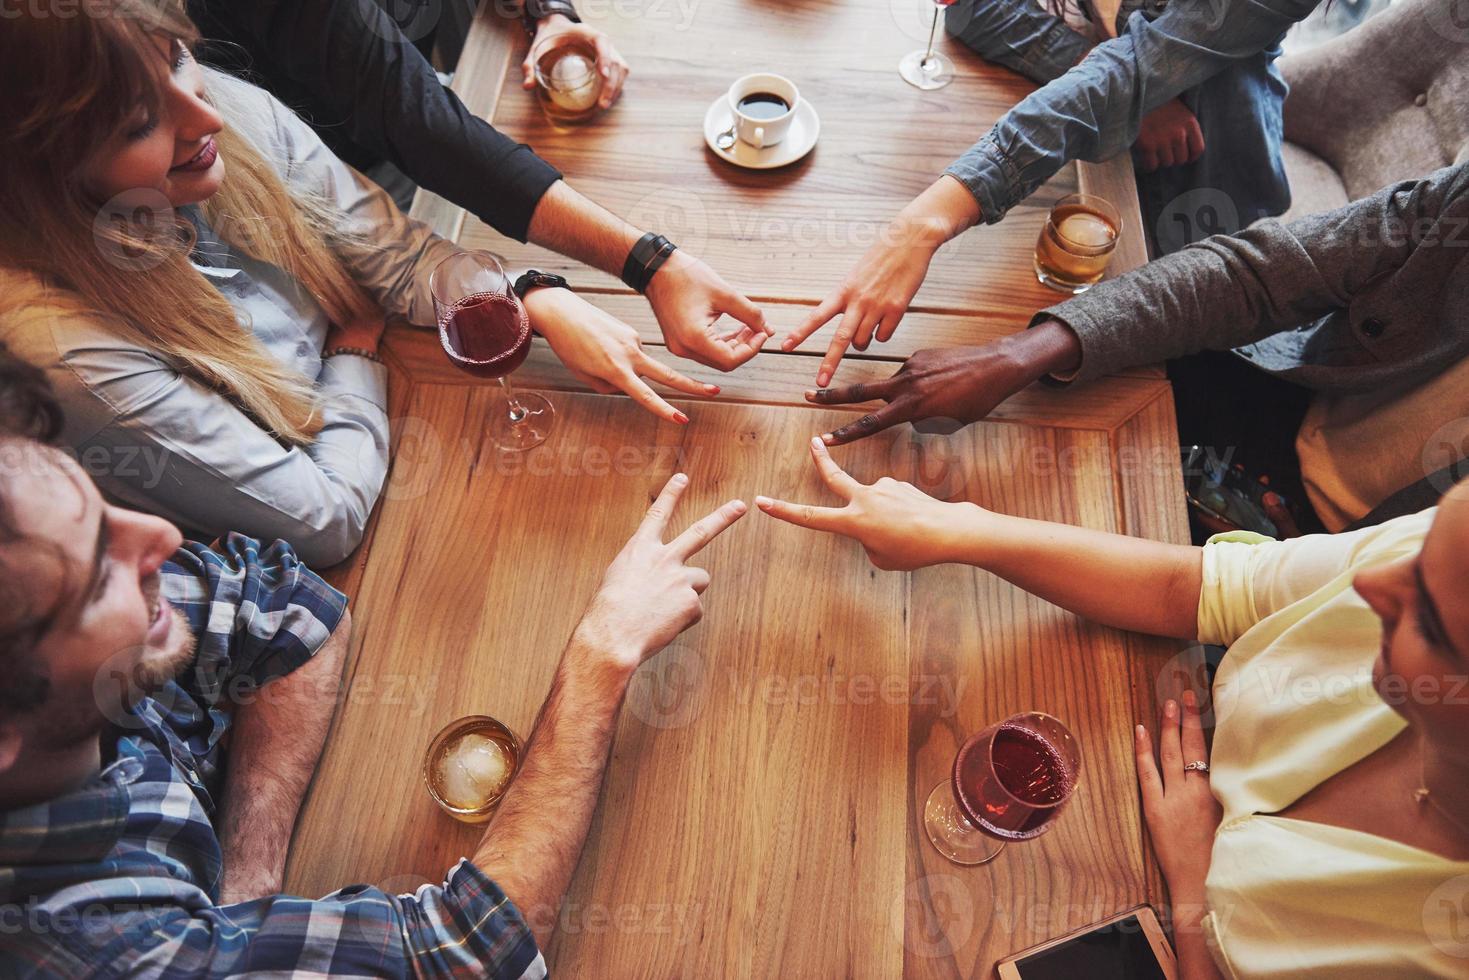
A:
762,814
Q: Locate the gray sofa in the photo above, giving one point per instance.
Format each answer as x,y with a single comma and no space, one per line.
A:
1386,101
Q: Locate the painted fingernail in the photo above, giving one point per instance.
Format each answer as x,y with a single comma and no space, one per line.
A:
680,418
713,389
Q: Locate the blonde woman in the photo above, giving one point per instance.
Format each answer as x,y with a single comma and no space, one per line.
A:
206,284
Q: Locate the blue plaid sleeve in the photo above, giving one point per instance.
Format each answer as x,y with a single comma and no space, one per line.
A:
257,612
465,927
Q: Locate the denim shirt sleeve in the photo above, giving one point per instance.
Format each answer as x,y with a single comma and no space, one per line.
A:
1093,111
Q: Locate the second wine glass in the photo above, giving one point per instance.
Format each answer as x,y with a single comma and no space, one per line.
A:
1009,783
486,332
928,69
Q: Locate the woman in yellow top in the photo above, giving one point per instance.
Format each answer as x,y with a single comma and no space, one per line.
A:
1331,839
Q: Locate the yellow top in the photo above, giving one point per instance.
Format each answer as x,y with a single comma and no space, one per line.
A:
1294,705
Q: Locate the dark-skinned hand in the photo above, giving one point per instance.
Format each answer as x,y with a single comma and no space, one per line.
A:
941,389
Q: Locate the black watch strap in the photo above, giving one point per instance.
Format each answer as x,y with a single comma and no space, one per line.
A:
534,278
534,10
645,258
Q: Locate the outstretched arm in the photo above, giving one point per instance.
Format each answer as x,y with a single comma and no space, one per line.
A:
647,598
1125,582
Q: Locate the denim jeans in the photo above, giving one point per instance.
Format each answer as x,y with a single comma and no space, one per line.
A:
1217,55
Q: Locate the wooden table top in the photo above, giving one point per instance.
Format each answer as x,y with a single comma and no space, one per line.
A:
762,813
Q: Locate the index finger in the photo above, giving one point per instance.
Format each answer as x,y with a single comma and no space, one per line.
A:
655,522
702,531
850,394
802,515
884,418
837,349
839,480
818,318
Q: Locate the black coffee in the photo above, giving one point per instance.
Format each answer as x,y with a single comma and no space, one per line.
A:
764,105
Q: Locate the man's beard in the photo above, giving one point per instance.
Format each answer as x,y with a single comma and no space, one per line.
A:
117,692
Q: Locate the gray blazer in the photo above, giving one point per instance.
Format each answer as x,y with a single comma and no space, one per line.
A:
1372,296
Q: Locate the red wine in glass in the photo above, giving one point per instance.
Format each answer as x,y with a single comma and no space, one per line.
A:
1009,783
486,332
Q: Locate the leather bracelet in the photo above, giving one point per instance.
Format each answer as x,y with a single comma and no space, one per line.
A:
644,259
533,11
355,351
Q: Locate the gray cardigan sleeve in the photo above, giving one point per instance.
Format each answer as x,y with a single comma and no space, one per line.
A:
1231,290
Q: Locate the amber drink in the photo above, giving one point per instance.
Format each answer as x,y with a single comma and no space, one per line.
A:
469,766
1077,243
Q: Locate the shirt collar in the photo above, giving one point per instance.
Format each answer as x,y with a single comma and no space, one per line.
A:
83,825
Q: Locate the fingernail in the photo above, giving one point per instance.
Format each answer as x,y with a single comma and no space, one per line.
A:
1188,698
1140,732
827,438
822,379
763,502
816,443
810,394
1171,708
738,506
680,418
680,478
713,389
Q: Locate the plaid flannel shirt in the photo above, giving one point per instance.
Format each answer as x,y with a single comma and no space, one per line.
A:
121,877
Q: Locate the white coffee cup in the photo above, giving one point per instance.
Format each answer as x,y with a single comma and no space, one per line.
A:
763,132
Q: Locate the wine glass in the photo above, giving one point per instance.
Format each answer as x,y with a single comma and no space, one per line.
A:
928,69
1009,783
486,332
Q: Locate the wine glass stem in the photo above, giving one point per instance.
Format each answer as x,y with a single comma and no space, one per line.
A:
932,30
518,411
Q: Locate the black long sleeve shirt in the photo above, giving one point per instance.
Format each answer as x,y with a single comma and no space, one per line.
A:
352,74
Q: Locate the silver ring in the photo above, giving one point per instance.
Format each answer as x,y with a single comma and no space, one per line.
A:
1202,767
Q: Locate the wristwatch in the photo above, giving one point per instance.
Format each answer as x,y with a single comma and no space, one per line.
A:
534,10
535,278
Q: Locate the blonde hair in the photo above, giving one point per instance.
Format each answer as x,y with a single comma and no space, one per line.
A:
72,83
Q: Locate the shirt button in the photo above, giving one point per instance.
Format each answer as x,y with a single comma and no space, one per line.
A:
1421,99
1372,328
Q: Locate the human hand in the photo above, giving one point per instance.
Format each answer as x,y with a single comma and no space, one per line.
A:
610,64
649,595
604,353
1168,137
872,299
1182,814
900,526
688,298
943,388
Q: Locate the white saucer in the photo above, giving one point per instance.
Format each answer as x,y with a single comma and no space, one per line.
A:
799,139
